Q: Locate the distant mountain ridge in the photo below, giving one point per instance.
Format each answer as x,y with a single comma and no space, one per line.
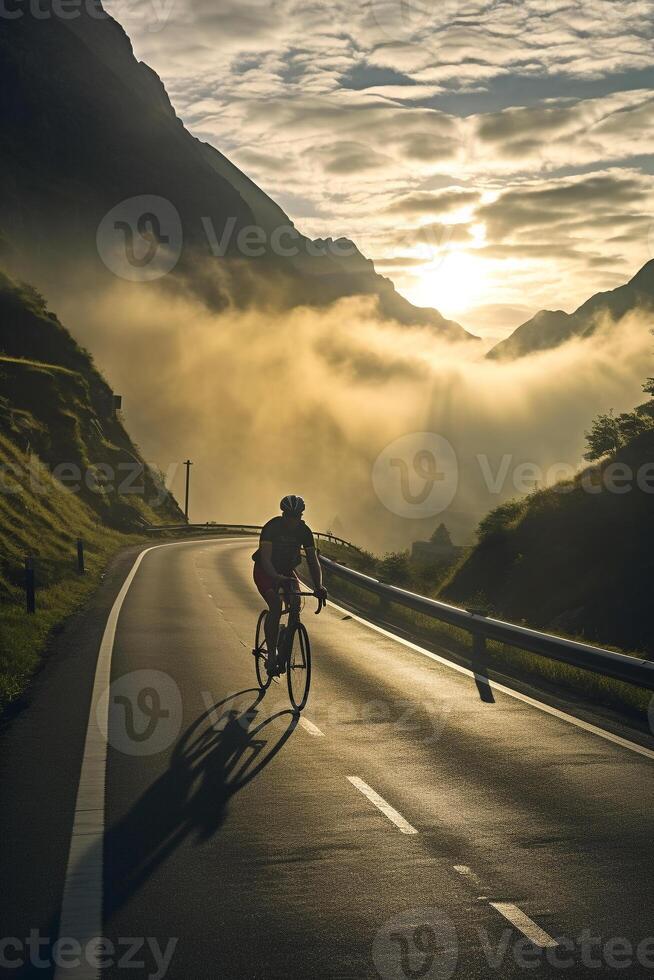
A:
550,328
86,126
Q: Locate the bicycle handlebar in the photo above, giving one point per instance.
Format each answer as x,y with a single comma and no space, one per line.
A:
321,602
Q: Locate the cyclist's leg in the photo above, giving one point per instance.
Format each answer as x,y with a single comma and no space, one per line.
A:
293,586
270,593
292,602
274,601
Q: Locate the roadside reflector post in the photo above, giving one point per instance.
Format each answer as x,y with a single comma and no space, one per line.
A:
30,591
80,556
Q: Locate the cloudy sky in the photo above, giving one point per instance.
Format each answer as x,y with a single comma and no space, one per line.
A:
493,158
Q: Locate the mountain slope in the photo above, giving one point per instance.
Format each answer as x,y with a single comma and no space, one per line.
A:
68,470
86,127
575,558
58,411
550,328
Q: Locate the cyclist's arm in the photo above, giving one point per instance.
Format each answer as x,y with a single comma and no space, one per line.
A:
265,557
314,568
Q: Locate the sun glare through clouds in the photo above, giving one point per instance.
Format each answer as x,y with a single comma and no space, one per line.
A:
452,283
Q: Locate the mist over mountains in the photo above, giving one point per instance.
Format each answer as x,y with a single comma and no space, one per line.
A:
550,328
274,372
86,127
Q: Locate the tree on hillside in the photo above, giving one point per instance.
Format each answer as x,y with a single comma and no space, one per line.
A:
610,432
441,536
632,424
604,436
648,408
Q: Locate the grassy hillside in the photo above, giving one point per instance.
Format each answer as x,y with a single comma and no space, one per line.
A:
577,558
64,461
55,406
47,526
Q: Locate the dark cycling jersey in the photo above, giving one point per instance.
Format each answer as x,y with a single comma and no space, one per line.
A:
287,542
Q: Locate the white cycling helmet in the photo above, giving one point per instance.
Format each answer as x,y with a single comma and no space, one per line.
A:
292,505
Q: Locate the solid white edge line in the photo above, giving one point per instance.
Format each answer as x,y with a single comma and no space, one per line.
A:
525,925
82,900
383,806
541,706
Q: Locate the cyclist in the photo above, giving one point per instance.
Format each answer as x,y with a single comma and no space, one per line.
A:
275,561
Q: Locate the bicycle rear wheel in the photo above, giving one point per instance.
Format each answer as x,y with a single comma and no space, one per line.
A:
298,668
260,653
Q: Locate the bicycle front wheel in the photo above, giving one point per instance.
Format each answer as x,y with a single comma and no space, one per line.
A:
298,668
260,653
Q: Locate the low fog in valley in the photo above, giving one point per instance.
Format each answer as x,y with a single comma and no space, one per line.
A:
304,401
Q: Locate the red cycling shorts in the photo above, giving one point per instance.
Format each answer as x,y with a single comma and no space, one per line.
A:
265,583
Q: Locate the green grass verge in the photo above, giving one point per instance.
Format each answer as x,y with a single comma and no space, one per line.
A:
45,524
24,637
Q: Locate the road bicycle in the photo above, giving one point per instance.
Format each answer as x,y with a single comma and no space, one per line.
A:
293,651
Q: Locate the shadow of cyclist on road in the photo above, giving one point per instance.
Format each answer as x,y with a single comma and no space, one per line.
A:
222,751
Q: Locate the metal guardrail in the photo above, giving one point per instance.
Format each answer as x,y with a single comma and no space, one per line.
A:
208,526
248,528
620,666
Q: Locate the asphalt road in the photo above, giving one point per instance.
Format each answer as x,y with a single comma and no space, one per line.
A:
408,825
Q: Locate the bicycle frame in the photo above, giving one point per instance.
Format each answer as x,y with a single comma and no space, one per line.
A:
292,628
294,614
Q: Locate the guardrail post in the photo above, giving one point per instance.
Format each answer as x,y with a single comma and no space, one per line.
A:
80,556
480,666
30,590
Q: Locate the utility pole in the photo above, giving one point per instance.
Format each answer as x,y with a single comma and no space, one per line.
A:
188,464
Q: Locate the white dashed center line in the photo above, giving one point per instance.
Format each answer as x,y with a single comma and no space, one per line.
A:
525,925
467,872
382,805
310,727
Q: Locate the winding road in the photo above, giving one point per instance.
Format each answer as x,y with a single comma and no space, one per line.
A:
412,823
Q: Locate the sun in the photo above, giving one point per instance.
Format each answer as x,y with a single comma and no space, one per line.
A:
452,283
